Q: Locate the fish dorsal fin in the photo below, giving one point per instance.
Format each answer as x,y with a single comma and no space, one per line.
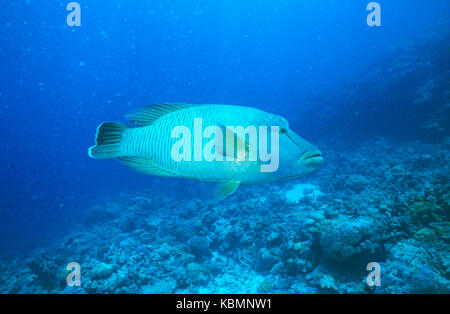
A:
145,166
149,114
225,189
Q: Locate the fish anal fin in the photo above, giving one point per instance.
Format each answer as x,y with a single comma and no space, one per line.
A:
146,166
149,114
225,189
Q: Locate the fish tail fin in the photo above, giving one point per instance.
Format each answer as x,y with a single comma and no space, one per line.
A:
107,140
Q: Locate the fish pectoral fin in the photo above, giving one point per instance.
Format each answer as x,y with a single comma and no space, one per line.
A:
225,189
149,114
239,151
145,166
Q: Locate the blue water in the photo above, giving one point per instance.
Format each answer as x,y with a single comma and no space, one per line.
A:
58,83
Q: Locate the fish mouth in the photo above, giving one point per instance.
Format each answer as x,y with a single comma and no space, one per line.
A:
312,158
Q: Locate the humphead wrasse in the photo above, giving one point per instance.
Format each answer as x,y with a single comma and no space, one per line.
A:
230,145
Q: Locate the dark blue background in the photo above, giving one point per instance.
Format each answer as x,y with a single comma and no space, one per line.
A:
57,83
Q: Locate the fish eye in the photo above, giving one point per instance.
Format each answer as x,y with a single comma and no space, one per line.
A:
283,130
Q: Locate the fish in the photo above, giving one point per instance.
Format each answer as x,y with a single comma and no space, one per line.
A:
225,144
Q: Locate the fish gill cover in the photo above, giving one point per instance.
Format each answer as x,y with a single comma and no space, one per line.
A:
373,100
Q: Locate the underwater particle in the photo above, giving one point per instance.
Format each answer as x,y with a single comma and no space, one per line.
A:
82,63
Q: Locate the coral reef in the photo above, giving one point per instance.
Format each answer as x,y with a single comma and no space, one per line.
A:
300,191
402,95
390,208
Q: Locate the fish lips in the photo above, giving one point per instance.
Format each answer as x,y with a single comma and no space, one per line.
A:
312,158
